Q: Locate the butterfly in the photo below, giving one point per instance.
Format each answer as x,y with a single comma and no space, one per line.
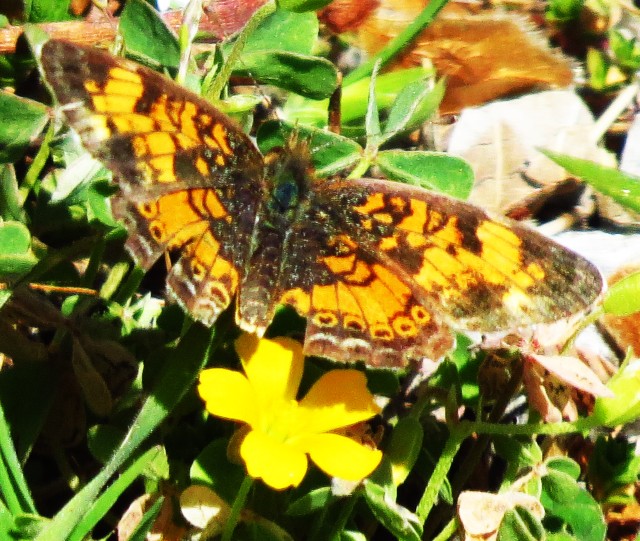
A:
382,271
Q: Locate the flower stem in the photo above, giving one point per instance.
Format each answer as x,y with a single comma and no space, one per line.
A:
439,475
238,506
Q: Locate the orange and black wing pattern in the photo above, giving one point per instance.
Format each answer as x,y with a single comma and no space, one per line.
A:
383,270
189,178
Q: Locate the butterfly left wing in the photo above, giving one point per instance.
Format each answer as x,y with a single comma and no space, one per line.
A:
420,262
190,180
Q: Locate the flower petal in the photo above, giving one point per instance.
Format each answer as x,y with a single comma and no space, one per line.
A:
339,398
274,367
340,456
228,394
279,466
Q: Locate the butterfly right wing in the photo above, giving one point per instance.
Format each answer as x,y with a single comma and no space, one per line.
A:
383,270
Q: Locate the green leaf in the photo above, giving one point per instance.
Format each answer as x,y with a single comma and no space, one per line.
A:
303,5
624,406
13,485
6,523
313,501
101,506
99,209
519,524
30,381
212,468
563,11
22,122
353,106
78,173
524,451
42,11
597,67
16,257
415,103
347,535
10,201
623,188
430,170
307,75
372,118
284,31
404,448
565,500
397,519
103,440
146,36
623,297
613,466
239,104
330,153
625,50
26,526
561,536
565,465
460,370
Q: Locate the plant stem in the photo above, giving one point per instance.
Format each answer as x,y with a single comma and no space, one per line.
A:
361,168
215,89
440,472
238,505
448,531
591,318
550,429
466,429
31,179
398,43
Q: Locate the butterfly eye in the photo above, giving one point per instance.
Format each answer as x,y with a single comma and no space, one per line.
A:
286,196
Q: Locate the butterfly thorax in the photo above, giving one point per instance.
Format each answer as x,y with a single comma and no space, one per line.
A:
288,175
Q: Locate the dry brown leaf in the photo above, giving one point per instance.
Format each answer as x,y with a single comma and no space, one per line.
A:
484,56
548,396
344,15
573,372
481,513
165,528
203,508
624,331
500,140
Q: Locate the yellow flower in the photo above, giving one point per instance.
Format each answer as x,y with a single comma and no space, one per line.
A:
281,431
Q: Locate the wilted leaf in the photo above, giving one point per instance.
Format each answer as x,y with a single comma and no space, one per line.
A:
483,56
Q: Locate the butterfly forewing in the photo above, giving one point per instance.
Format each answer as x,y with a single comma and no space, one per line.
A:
189,178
